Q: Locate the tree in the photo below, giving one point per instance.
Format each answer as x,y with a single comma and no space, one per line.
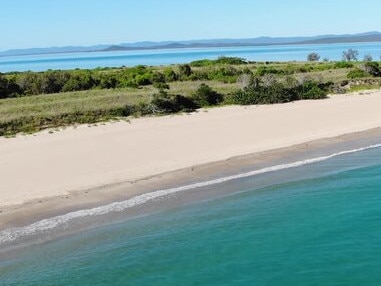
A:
368,58
313,57
350,55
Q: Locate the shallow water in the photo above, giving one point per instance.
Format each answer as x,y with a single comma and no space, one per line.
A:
324,230
174,56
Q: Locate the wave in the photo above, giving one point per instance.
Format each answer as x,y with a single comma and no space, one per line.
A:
10,235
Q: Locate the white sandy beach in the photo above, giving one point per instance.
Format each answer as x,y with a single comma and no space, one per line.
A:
47,165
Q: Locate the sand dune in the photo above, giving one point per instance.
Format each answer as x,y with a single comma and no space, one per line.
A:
45,165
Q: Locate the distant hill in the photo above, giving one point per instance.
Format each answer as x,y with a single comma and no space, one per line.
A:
260,41
52,50
376,37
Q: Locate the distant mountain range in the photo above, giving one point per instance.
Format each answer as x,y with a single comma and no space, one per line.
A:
261,41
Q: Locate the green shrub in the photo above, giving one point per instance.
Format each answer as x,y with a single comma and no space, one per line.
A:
82,80
8,87
158,77
220,61
107,82
206,96
202,63
263,70
312,90
184,71
170,75
231,60
279,92
357,73
373,68
343,65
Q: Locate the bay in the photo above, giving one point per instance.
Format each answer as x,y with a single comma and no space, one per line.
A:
90,60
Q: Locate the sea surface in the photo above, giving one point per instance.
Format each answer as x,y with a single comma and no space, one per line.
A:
90,60
322,226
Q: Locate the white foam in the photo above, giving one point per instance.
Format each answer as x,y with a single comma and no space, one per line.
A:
13,234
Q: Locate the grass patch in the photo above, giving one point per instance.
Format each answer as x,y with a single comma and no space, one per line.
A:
363,87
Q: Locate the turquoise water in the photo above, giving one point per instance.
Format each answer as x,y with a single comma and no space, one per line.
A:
325,230
174,56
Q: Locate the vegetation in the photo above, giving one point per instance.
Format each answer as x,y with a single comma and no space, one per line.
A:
220,60
350,55
206,96
357,73
276,91
313,57
368,58
32,101
372,68
164,102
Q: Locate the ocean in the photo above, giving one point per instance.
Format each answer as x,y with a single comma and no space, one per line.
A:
314,222
90,60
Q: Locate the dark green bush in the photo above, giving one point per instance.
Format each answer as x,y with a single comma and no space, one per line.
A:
158,77
372,68
8,87
279,92
184,71
231,60
206,96
164,102
312,90
220,61
79,81
170,75
107,82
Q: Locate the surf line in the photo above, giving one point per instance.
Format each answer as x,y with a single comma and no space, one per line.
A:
13,234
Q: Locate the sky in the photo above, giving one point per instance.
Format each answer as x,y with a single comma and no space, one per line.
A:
47,23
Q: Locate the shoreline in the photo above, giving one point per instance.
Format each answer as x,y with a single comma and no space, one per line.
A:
87,213
38,208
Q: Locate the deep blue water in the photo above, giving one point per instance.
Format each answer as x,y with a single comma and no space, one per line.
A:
175,56
325,230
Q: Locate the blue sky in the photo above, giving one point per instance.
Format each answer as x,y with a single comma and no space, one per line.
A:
46,23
